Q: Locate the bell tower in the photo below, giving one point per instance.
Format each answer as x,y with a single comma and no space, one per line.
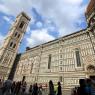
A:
11,44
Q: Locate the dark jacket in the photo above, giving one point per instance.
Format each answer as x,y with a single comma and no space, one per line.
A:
35,90
59,91
51,90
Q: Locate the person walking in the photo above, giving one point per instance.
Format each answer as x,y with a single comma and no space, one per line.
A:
51,88
13,87
30,89
40,90
59,91
0,83
88,87
24,85
35,89
82,89
17,87
92,86
7,87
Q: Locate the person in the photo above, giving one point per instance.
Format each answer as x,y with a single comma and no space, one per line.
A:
17,87
0,83
55,89
81,89
24,85
88,87
30,89
40,90
35,89
73,91
92,86
59,91
13,87
51,88
7,87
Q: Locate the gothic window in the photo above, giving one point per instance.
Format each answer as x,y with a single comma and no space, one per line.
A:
21,24
49,61
18,35
11,44
60,51
15,34
31,68
60,56
14,46
60,68
78,57
61,62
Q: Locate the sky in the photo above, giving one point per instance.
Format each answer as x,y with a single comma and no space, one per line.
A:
50,19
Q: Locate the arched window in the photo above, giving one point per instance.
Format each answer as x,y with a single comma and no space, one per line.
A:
18,35
15,34
49,61
14,46
78,60
21,24
11,44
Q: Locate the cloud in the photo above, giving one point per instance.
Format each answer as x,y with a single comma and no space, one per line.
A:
38,37
4,8
7,19
64,13
39,24
11,7
74,1
61,11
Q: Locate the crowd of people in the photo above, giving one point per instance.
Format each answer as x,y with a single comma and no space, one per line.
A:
20,88
87,87
8,87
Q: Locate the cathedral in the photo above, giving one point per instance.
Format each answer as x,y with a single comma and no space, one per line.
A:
66,59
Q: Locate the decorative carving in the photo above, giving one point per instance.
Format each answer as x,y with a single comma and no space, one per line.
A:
92,20
91,69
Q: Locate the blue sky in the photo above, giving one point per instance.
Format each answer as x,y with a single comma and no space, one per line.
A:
50,19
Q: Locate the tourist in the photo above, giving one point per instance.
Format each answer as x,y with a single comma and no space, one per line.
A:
82,89
7,87
35,89
13,87
88,87
24,85
40,90
51,88
59,91
30,89
92,86
0,83
17,87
